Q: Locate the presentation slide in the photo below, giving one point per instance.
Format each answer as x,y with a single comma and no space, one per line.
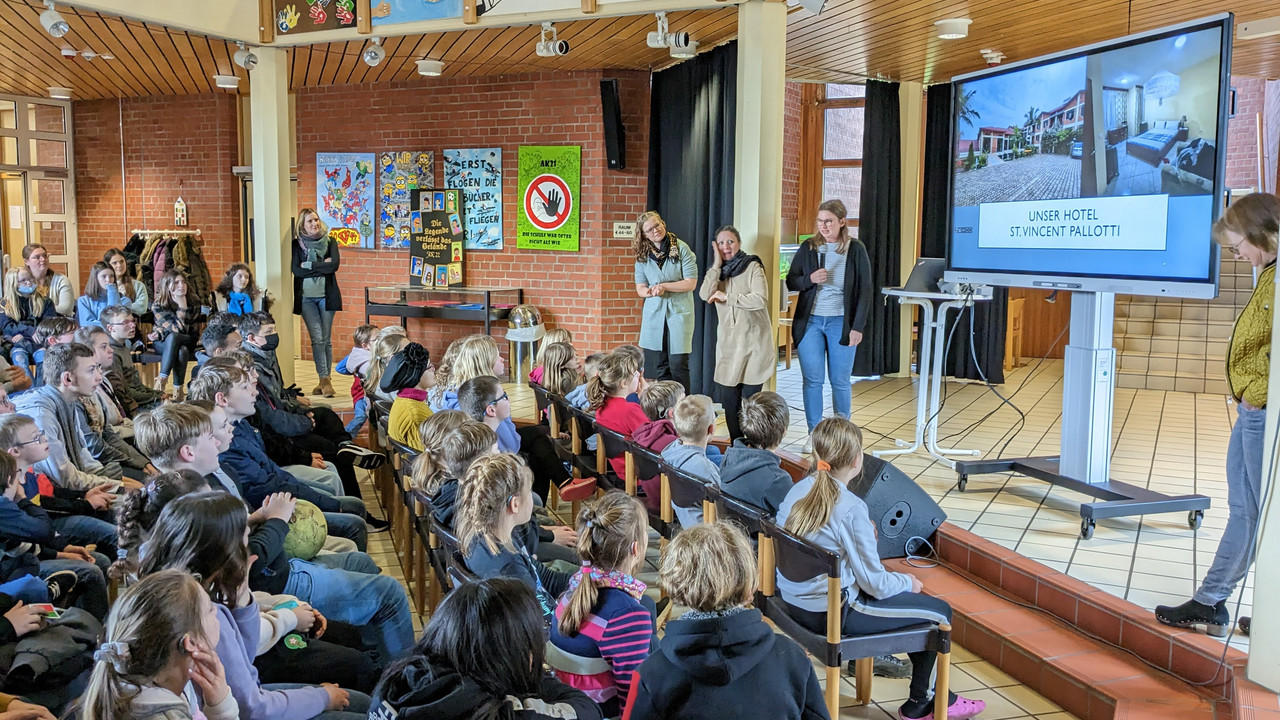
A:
1100,165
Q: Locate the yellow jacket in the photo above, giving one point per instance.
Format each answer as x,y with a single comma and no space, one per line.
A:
405,421
1249,354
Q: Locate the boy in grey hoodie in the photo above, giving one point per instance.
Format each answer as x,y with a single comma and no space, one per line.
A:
751,472
694,420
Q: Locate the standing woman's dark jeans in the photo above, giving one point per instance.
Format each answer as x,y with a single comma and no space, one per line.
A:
175,352
663,365
731,397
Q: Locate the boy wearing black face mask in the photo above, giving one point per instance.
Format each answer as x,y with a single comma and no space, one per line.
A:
316,429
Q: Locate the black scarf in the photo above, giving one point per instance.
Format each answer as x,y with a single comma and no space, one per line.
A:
738,264
668,250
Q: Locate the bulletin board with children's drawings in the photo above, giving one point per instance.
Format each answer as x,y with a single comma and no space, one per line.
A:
399,174
436,222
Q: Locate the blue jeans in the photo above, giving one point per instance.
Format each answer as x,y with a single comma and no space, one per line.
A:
376,604
91,582
361,409
356,562
1244,505
350,522
357,709
324,479
30,589
820,350
319,322
86,530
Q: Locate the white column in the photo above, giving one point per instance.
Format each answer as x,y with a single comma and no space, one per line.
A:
1264,652
911,124
757,186
272,196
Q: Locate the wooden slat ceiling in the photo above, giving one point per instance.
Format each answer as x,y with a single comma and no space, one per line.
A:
153,60
851,40
896,39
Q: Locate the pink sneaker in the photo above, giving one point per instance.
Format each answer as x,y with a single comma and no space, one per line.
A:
961,709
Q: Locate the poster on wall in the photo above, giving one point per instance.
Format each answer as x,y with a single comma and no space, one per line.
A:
299,16
399,174
436,250
548,217
390,12
344,197
478,173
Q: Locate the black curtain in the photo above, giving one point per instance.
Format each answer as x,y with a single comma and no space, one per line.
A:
692,123
988,321
880,226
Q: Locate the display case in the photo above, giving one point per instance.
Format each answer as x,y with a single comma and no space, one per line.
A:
475,304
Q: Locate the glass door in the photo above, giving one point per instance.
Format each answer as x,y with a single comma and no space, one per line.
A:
37,185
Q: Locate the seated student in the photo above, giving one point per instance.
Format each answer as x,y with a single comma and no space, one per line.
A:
117,410
72,373
98,415
604,621
55,665
129,389
99,292
553,337
694,420
347,589
497,498
822,509
451,441
217,340
356,363
238,293
636,354
21,309
721,659
561,371
83,517
13,380
133,293
29,544
56,330
590,367
318,429
230,389
204,534
608,391
408,376
158,657
390,341
173,331
657,401
481,656
751,471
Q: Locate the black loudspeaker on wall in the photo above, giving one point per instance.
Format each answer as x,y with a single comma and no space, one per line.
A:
899,508
615,135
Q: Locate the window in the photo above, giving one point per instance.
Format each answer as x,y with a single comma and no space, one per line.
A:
832,129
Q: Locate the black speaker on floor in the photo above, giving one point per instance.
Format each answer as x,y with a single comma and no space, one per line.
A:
900,509
615,135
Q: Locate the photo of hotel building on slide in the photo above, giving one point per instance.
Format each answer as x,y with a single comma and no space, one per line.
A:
1020,135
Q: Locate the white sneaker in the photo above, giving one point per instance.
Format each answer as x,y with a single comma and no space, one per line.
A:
808,446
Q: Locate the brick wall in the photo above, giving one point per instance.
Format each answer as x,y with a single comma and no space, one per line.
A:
589,292
791,153
1242,132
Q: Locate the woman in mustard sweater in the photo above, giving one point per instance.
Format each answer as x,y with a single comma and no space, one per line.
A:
1249,228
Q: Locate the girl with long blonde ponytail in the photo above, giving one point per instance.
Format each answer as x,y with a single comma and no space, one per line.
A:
822,509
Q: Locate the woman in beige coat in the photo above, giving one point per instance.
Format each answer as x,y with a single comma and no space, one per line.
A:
746,355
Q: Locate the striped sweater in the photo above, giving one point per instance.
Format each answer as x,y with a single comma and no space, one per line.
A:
609,646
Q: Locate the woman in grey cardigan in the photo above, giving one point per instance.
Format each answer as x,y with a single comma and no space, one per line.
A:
666,275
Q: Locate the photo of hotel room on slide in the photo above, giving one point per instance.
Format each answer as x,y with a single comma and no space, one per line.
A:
1138,120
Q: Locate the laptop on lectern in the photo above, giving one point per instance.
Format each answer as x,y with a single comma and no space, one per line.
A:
926,275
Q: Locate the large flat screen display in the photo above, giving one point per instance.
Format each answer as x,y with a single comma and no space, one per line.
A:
1098,169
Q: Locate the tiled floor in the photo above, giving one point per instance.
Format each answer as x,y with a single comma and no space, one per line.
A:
975,678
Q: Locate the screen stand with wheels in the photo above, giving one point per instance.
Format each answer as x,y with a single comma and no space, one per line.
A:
1084,465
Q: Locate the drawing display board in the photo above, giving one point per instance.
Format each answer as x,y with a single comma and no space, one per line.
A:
436,246
399,174
478,173
548,217
344,197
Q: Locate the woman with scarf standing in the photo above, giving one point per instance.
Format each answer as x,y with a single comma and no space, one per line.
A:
666,274
316,296
745,352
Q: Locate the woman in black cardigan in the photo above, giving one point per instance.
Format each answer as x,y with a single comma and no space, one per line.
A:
832,273
316,296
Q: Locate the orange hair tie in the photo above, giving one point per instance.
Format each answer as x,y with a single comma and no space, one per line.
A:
824,466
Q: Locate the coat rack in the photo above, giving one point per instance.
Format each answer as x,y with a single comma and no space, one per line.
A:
176,231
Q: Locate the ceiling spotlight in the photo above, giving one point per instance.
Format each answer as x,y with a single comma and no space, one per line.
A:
227,82
53,22
953,29
69,52
88,54
686,51
549,45
664,38
430,68
244,57
374,54
658,38
59,93
993,57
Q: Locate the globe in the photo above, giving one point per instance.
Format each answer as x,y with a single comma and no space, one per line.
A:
307,531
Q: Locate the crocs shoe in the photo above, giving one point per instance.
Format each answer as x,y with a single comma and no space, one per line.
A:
578,489
961,709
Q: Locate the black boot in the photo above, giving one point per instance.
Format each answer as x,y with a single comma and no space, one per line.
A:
1190,614
1243,625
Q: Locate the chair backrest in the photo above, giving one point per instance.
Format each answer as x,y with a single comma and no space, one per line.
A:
582,426
687,491
751,518
798,559
540,396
